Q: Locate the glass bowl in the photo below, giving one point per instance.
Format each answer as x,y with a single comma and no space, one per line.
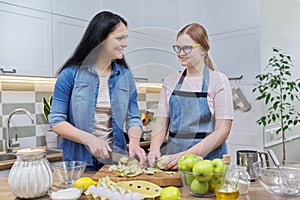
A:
66,172
283,182
201,184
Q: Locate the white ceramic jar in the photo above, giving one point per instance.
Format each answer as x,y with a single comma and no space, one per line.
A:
31,175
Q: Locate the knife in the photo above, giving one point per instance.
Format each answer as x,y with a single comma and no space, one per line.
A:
117,157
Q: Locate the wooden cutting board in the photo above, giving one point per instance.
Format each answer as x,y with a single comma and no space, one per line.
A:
162,178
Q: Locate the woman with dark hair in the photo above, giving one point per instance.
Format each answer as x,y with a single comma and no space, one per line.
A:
195,106
95,95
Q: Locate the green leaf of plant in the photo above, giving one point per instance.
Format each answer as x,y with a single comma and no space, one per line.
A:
46,107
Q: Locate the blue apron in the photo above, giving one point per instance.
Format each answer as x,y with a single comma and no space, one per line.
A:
190,119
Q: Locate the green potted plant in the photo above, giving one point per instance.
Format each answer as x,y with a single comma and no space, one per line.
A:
47,106
52,138
279,93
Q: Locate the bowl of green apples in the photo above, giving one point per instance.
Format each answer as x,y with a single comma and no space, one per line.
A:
201,177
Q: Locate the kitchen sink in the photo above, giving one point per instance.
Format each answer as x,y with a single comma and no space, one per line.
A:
53,151
7,156
7,159
12,156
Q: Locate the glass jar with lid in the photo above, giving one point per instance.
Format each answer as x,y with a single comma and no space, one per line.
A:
31,175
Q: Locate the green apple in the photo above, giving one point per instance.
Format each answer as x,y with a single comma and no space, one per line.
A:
214,182
203,170
218,165
170,193
187,161
199,187
189,178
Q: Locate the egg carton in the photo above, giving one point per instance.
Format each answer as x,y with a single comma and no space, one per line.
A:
135,189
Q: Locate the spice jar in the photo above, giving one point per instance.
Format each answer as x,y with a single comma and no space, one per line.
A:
31,175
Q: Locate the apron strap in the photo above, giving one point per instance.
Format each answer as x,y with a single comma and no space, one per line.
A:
205,81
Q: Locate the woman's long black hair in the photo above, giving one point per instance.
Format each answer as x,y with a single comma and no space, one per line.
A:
88,49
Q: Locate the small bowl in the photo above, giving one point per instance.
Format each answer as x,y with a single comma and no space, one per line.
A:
68,171
283,182
201,184
65,194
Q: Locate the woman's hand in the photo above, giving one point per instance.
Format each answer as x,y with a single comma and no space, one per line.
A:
152,157
99,148
136,151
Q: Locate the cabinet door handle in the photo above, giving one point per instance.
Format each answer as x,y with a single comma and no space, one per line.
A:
8,71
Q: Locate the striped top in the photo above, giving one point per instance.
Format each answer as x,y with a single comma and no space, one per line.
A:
103,117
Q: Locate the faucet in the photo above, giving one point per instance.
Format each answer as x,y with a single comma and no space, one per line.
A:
9,147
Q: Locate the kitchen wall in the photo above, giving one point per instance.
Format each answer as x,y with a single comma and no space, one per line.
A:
281,28
27,94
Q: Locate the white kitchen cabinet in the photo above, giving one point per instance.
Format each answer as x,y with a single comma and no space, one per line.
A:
231,15
237,53
152,64
161,13
150,54
44,5
84,10
152,27
130,10
67,33
219,16
188,12
26,41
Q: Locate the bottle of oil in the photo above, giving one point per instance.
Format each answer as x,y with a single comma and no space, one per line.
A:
226,159
227,192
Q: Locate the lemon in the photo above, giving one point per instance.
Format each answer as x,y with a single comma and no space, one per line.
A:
170,193
84,182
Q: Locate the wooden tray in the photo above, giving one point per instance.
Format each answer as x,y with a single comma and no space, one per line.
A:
162,178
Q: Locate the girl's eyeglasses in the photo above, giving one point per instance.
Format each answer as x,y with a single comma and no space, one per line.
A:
185,49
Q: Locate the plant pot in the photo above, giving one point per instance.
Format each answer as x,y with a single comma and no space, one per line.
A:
51,140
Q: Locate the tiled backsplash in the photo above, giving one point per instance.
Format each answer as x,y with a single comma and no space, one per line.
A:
29,95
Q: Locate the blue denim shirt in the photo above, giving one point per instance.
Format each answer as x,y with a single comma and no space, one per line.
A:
75,98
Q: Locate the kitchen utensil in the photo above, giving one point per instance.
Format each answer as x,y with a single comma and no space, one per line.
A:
67,172
239,100
117,157
284,182
161,178
31,175
248,157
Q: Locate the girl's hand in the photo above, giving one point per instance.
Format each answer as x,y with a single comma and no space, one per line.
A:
137,151
152,157
173,161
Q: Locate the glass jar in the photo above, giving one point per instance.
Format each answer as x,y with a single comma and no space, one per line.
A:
31,175
236,182
239,173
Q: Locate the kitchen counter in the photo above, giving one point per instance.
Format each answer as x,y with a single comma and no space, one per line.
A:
255,193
